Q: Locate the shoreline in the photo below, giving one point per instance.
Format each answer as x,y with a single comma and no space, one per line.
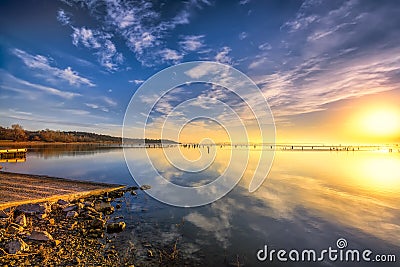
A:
81,230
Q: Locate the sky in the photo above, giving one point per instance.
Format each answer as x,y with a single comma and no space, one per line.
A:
329,70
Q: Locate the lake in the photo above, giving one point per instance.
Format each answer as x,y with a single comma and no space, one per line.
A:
309,201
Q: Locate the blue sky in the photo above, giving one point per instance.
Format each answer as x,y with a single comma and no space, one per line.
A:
74,65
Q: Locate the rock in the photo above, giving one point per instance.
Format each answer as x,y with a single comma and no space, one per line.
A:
3,214
72,214
40,236
52,221
116,194
145,187
118,206
14,228
116,227
98,223
95,233
132,188
104,207
16,245
2,252
41,216
21,220
31,209
70,208
56,242
62,202
88,204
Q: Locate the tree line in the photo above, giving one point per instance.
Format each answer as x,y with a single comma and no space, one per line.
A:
18,133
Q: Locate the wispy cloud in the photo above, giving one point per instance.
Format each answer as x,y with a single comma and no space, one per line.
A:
333,60
100,42
63,17
95,106
170,55
9,79
223,55
140,24
42,64
136,81
265,46
243,35
192,42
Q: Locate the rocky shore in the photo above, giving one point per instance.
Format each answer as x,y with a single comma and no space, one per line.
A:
77,233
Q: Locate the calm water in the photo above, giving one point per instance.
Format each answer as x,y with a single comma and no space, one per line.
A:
310,199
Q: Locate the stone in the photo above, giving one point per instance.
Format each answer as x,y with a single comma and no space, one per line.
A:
14,228
104,207
62,202
145,187
3,214
16,245
132,188
31,209
116,194
88,204
40,236
98,223
72,214
70,208
21,220
116,227
41,216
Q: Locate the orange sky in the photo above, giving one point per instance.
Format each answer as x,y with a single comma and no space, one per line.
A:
368,119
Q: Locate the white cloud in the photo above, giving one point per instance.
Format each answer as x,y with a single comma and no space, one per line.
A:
106,51
243,35
51,73
223,55
63,17
95,106
170,55
192,42
9,79
257,63
265,46
143,30
308,86
136,81
109,101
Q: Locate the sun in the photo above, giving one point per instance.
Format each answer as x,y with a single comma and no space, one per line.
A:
381,122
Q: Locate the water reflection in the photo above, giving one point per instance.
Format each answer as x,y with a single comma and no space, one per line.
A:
310,198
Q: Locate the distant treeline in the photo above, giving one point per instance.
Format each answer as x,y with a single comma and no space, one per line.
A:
18,133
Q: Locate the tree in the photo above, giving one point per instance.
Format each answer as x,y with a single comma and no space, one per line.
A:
18,132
